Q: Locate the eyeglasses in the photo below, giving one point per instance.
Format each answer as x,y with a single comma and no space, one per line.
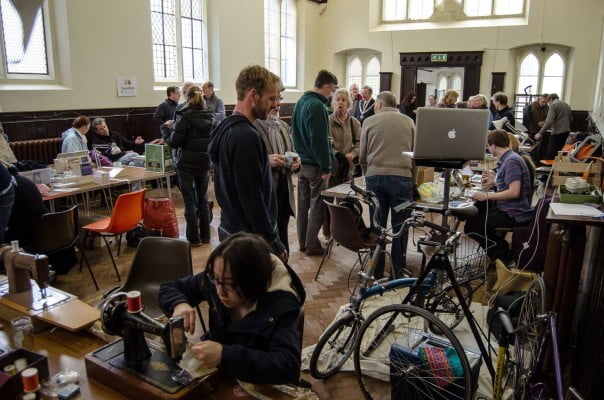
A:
228,285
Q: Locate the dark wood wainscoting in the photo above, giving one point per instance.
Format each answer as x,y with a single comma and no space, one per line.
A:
130,122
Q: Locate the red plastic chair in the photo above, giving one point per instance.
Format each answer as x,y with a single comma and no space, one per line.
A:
127,213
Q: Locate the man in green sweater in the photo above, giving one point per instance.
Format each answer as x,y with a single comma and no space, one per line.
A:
310,130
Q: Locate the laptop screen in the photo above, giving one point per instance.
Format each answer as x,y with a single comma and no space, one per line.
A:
450,134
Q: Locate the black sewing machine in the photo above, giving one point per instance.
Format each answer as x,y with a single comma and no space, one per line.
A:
116,364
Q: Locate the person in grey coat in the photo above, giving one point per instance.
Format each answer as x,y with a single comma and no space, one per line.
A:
559,119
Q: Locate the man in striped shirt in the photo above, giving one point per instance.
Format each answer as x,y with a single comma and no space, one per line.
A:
509,205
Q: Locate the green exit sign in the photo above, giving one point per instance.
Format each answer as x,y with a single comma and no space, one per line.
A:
438,57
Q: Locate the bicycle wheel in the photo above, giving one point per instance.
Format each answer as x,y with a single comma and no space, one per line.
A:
335,347
528,342
397,357
446,306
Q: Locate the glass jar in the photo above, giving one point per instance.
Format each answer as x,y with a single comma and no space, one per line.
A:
23,333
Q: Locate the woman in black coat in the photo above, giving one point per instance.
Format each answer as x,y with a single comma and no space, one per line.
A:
254,301
409,105
190,137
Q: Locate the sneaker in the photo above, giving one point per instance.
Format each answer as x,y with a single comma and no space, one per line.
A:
315,251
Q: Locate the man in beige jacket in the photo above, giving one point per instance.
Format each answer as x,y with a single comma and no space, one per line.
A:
384,137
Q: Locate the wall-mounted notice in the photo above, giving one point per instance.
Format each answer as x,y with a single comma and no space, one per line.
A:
126,86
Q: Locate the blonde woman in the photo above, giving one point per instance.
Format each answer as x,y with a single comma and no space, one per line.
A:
449,99
345,134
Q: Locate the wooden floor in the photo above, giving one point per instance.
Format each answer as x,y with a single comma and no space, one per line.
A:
324,296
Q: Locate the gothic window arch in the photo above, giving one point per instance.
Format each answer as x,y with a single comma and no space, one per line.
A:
280,44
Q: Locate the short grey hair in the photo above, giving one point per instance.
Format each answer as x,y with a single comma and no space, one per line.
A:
368,88
97,121
388,99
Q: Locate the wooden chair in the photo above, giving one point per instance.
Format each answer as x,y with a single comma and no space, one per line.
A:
345,231
127,213
57,232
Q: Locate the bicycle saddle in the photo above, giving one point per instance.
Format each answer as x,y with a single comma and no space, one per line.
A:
463,211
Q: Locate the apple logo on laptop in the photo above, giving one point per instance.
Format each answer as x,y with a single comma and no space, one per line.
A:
452,134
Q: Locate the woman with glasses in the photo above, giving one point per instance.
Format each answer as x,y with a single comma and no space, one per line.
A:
254,301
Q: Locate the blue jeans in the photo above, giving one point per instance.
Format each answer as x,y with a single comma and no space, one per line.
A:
6,206
194,189
391,191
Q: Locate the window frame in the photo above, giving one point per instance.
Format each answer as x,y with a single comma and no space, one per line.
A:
364,60
24,77
281,36
180,48
464,17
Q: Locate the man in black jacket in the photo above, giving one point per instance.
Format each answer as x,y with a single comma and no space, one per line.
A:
242,175
113,145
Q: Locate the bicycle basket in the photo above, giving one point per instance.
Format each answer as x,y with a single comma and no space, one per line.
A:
470,260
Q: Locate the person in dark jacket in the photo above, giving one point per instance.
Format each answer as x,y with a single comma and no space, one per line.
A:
7,198
190,136
243,180
27,210
164,114
504,117
113,145
254,301
409,105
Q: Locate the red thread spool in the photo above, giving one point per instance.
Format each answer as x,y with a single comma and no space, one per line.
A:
29,377
134,301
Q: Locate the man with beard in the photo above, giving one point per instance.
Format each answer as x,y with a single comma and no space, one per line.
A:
242,173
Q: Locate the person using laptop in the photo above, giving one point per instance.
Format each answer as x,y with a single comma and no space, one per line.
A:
509,205
384,137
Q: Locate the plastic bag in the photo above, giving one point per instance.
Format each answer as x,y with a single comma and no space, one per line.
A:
429,192
160,214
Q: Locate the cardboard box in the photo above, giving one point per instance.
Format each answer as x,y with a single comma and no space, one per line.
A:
158,158
10,385
424,174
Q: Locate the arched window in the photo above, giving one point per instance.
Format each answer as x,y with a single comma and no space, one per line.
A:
528,75
280,46
355,72
372,74
442,83
456,85
553,75
24,39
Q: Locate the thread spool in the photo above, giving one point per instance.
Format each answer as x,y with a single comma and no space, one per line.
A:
134,301
29,377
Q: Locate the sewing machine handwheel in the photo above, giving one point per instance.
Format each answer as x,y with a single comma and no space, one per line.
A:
112,304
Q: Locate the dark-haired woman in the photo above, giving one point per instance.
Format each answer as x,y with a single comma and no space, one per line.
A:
409,105
190,137
254,301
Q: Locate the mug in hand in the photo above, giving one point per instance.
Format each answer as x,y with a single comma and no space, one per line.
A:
290,157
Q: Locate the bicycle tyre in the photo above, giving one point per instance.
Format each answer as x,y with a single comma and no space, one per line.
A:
529,342
334,347
410,377
446,306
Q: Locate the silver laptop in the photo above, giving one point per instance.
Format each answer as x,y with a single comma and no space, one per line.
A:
450,134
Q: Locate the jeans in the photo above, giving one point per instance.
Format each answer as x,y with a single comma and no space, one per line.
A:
310,206
194,189
6,206
391,191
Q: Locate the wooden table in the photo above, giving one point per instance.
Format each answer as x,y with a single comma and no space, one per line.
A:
66,349
128,176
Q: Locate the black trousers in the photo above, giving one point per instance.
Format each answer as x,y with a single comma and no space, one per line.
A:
284,211
495,218
556,142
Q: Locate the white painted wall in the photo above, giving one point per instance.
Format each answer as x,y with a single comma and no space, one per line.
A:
99,41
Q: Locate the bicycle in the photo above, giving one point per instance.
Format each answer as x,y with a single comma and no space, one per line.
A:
394,339
337,343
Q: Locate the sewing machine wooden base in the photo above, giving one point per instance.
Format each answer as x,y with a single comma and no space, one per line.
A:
149,380
64,310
